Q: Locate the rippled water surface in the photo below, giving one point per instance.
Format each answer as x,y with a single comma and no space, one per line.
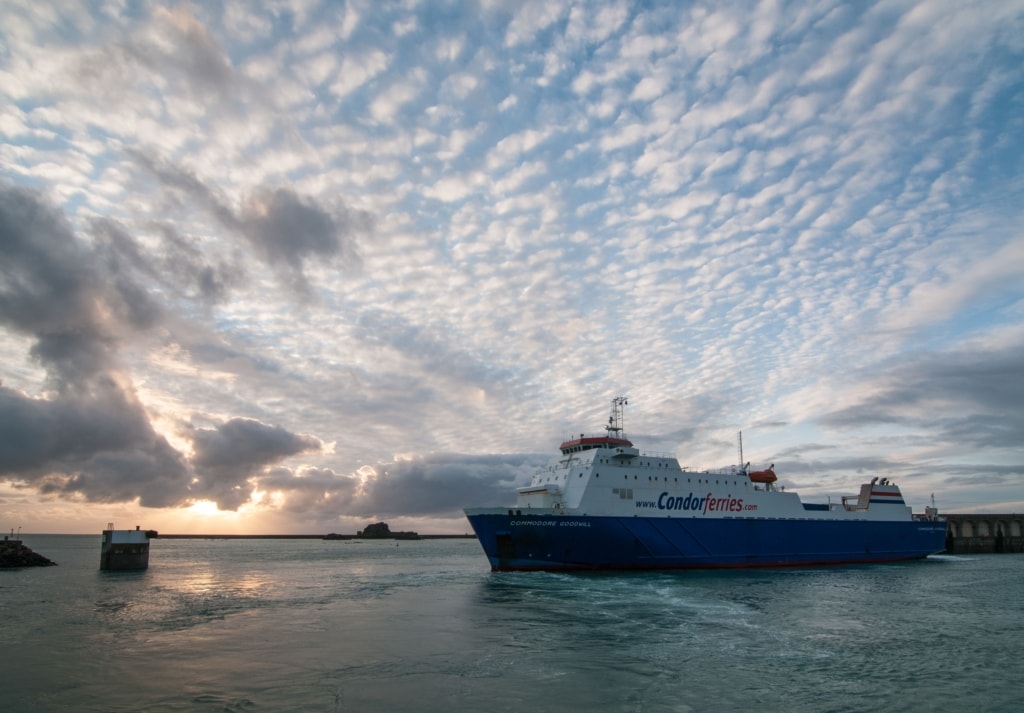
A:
312,625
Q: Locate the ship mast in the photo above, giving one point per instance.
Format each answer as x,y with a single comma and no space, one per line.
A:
743,466
617,421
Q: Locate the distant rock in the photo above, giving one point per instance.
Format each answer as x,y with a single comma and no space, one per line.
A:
381,531
14,554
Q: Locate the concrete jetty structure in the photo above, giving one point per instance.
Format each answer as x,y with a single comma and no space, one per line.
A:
125,549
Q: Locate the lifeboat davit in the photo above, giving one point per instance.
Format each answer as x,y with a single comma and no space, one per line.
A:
764,476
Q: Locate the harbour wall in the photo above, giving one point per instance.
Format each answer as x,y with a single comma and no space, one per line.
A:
984,532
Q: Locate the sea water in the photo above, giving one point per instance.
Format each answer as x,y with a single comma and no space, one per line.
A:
313,625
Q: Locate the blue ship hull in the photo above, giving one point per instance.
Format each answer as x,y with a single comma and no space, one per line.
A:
568,542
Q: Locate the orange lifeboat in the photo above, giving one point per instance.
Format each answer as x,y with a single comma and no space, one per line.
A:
764,476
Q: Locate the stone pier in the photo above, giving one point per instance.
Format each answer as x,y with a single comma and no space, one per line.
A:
984,532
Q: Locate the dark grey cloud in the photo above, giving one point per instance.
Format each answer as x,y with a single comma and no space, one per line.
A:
227,456
173,261
79,299
286,230
56,289
90,437
97,444
966,397
436,485
181,181
443,484
283,229
184,265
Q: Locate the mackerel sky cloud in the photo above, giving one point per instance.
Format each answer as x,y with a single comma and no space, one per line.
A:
296,266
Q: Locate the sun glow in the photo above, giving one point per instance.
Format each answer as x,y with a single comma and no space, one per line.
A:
204,507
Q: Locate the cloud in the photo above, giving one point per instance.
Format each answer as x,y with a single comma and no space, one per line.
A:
967,398
287,230
77,301
97,444
964,280
54,288
225,457
81,304
356,71
531,18
284,230
174,45
443,483
309,492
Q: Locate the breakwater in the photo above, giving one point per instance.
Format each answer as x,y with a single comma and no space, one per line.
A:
13,553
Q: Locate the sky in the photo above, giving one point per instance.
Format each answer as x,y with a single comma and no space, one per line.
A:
300,266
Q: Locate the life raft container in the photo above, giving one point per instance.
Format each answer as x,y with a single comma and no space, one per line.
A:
764,476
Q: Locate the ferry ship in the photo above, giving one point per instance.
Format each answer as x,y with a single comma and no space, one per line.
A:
603,504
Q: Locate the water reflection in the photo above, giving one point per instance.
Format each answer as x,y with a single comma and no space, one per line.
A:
207,581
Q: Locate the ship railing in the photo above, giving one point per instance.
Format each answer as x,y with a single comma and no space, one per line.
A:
657,454
572,461
559,466
730,470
